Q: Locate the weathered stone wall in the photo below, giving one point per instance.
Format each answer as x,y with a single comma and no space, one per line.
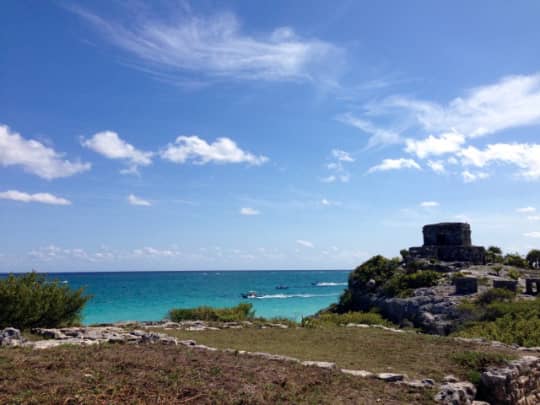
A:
447,234
471,254
517,384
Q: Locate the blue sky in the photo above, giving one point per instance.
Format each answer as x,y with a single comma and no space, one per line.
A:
263,135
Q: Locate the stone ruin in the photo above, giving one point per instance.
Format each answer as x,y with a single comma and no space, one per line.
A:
449,242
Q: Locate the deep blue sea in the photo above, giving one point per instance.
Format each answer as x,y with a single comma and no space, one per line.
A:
148,296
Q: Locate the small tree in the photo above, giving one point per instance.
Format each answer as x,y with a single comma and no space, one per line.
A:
29,301
533,258
494,255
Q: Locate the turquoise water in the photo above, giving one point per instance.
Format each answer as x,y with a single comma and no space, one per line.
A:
148,296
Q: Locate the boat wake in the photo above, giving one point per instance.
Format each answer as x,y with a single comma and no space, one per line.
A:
328,284
284,296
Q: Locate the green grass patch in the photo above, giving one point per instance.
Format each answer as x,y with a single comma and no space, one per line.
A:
331,319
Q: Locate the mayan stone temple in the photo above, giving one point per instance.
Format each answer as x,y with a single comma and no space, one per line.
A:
449,242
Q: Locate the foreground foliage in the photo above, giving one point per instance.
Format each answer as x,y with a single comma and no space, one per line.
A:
241,312
29,300
495,315
477,362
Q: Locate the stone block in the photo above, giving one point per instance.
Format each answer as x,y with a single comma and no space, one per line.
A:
466,285
510,285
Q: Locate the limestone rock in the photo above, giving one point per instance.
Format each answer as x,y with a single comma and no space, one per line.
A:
456,393
11,337
390,377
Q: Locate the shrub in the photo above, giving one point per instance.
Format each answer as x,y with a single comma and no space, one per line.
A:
516,260
402,285
378,268
329,320
495,294
242,312
513,274
30,301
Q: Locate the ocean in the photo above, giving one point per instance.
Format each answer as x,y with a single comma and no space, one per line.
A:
148,296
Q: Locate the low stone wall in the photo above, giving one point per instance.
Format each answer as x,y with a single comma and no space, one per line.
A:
516,384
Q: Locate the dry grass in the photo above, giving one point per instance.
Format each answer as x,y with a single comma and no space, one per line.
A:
417,355
156,374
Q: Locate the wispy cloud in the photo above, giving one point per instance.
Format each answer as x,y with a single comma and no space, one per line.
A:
535,235
429,204
215,47
378,136
110,145
305,243
471,177
197,150
395,164
44,198
337,167
526,210
249,211
34,157
134,200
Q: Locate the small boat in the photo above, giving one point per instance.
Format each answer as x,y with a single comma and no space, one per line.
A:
250,294
282,287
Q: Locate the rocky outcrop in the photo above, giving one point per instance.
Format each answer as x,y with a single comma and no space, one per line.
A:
429,309
11,337
516,384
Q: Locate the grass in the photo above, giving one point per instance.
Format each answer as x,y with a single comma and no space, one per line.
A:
421,356
175,375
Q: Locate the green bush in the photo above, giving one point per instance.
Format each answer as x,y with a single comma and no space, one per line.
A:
513,274
516,260
402,285
30,301
378,268
329,320
494,254
241,312
495,294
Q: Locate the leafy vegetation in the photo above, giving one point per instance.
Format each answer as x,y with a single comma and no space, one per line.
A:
329,319
515,259
533,258
496,316
494,255
402,285
30,300
242,312
378,268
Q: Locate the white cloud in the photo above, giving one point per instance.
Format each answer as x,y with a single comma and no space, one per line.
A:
395,164
134,200
44,198
437,166
379,136
329,203
34,157
249,211
445,143
305,243
215,46
342,156
471,177
511,102
526,210
532,234
429,204
110,145
534,218
223,150
149,251
525,156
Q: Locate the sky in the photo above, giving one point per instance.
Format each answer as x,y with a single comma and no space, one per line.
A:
175,135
